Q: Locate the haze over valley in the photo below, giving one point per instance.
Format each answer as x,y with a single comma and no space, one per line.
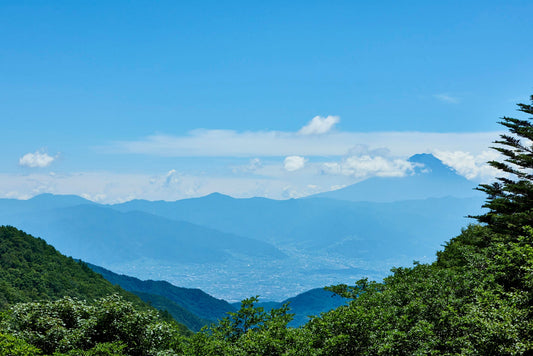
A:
275,248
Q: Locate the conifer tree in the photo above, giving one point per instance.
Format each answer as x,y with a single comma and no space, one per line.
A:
510,198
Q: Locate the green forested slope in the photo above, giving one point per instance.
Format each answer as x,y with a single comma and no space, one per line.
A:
56,303
32,270
194,300
179,313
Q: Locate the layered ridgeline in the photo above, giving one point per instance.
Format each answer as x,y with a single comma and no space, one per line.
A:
228,246
102,235
369,215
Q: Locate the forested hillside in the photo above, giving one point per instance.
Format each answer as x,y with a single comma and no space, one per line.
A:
193,307
53,297
32,270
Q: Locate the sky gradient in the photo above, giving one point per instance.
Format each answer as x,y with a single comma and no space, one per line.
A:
168,100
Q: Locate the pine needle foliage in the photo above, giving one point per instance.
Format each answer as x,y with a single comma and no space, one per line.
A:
510,197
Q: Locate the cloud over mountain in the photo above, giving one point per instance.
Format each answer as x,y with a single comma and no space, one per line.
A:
365,165
469,165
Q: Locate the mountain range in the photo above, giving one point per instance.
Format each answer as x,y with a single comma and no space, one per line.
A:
430,179
276,248
101,234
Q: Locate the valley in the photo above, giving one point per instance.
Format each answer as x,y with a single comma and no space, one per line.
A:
235,248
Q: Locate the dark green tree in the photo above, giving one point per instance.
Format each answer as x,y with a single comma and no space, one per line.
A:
510,198
249,331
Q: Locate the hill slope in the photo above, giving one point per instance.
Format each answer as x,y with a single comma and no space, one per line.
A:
195,308
177,300
31,269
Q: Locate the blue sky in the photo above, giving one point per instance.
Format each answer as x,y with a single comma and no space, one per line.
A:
170,99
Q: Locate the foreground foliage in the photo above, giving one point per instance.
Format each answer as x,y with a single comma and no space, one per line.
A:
476,299
32,270
109,326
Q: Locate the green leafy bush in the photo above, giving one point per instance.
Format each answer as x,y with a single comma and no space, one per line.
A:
111,324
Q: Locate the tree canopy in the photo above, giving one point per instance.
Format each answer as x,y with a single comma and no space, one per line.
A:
510,197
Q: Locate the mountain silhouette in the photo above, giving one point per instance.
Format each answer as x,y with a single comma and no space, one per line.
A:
430,179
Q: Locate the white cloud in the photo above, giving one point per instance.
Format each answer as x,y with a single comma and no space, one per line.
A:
337,187
363,162
172,177
447,98
227,143
271,180
294,163
319,125
469,165
107,187
253,165
366,166
36,159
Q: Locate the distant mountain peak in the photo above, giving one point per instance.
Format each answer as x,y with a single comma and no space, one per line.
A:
431,179
216,195
427,163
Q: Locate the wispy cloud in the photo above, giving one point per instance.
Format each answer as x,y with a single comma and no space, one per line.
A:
319,125
227,143
253,165
447,98
38,159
